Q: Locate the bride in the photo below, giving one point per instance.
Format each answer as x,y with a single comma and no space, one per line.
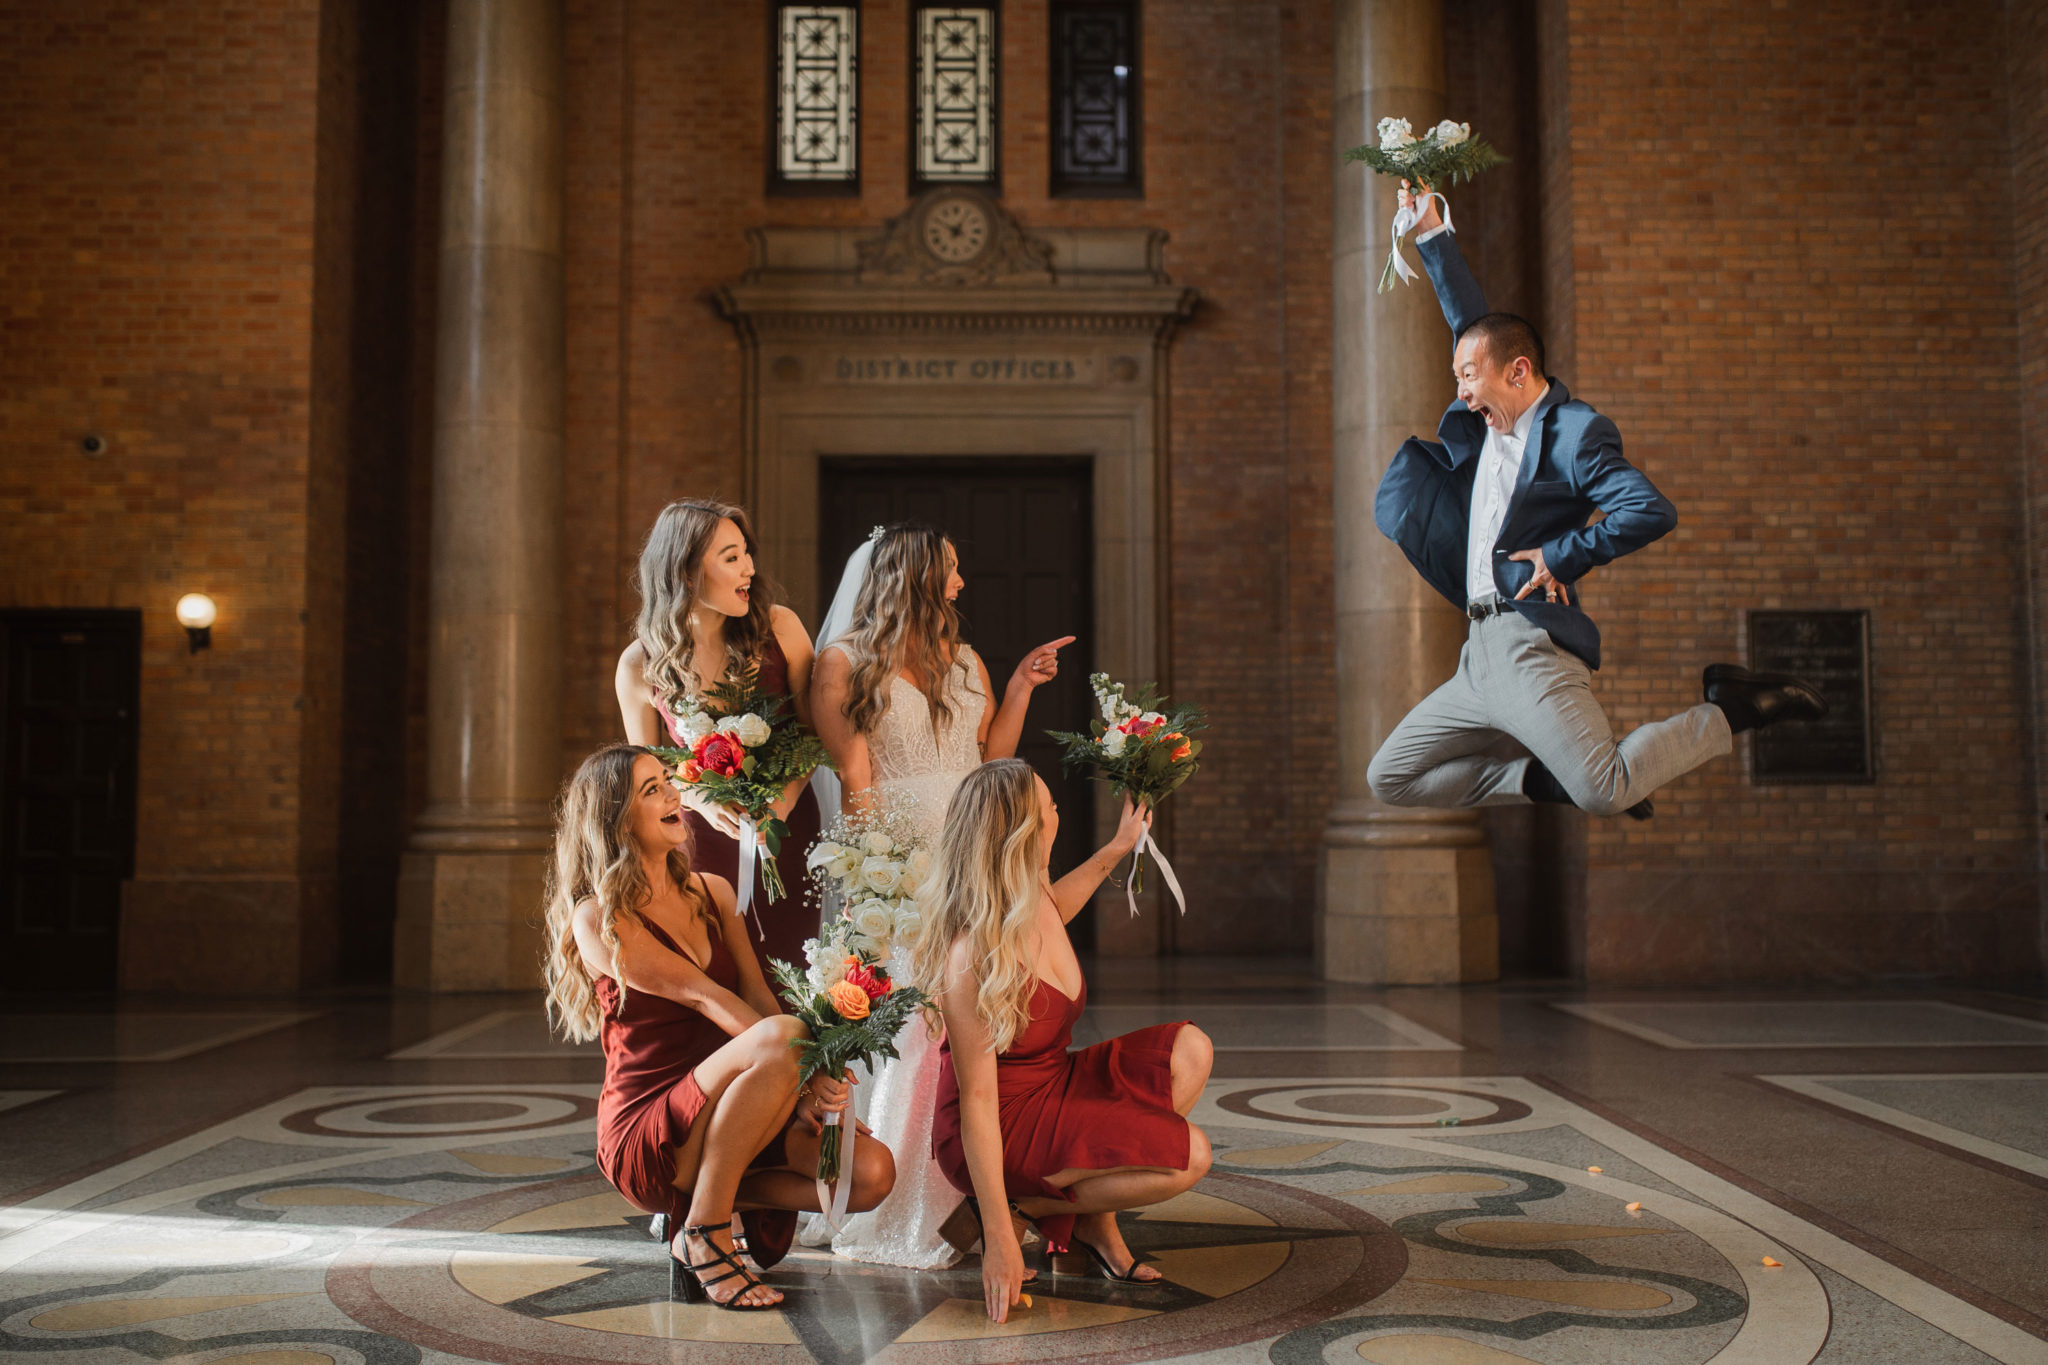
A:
903,704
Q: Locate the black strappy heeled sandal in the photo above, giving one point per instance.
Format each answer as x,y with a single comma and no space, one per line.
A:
684,1282
1109,1273
658,1228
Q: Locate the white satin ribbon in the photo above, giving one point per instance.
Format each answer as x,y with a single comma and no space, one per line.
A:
1405,220
831,1201
749,837
1147,842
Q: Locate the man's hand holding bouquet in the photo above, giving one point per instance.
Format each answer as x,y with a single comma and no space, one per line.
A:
1444,155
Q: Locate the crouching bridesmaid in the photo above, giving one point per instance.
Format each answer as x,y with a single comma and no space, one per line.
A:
700,1114
1065,1138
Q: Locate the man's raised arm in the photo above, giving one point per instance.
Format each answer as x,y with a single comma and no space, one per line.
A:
1464,303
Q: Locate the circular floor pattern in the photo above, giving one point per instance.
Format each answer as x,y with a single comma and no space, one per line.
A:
1251,1260
1342,1104
454,1113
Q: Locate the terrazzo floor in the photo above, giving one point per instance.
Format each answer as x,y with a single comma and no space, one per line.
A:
1407,1177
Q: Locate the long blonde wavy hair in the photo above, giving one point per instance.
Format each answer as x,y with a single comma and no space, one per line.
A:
596,856
902,621
987,876
671,567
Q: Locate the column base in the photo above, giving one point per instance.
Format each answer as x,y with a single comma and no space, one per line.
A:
1408,916
227,935
469,921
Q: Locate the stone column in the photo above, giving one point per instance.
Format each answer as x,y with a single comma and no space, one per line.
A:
1407,894
470,888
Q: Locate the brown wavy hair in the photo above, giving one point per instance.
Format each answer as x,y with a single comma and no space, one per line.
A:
902,620
595,856
671,563
988,873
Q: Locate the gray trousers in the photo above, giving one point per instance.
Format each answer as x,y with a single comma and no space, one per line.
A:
1514,681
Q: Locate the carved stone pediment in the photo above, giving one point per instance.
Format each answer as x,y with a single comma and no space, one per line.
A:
954,265
955,236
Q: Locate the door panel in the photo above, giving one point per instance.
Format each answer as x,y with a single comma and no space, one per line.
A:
68,721
1025,532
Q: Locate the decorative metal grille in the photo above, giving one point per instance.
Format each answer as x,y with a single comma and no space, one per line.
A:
1095,98
956,95
817,115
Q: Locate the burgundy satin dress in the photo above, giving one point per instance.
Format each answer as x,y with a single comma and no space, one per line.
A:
651,1097
778,929
1107,1105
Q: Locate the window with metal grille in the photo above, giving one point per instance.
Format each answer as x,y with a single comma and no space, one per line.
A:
817,99
1095,99
953,135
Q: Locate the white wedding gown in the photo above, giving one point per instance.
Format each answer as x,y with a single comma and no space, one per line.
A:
915,771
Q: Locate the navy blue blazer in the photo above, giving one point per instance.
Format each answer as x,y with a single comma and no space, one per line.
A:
1571,468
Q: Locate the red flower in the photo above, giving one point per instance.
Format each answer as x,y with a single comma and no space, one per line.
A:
720,753
1140,727
870,979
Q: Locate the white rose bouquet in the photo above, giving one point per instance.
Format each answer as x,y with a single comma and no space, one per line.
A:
1442,156
871,865
743,749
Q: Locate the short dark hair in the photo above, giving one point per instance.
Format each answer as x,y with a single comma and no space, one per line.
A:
1506,336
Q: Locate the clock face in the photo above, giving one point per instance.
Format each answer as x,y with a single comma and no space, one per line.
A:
956,230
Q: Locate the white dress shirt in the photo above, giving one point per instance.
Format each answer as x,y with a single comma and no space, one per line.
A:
1493,488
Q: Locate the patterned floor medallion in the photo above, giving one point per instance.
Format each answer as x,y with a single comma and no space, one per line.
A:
1400,1221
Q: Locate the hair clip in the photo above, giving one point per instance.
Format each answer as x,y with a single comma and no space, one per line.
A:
875,534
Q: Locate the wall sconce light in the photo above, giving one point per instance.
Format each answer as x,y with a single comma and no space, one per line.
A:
196,613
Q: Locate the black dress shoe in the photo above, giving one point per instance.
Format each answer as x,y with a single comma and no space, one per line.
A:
1753,700
1539,785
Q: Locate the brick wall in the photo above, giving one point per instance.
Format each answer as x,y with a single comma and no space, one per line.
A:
156,225
2026,48
1821,380
668,103
1790,276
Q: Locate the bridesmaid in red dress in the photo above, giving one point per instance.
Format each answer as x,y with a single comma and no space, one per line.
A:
704,613
700,1113
1068,1138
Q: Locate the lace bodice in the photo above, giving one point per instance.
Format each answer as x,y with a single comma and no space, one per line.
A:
909,760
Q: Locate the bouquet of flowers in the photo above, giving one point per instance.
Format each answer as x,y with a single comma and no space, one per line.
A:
743,750
1141,751
853,1011
871,865
1444,155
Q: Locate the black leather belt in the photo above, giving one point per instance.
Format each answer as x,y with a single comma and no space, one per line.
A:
1479,611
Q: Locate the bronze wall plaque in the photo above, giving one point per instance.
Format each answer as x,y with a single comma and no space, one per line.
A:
1830,649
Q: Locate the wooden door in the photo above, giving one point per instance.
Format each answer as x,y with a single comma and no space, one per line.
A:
67,793
1025,532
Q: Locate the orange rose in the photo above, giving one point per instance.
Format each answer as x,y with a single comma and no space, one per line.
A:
850,1000
692,770
1180,741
